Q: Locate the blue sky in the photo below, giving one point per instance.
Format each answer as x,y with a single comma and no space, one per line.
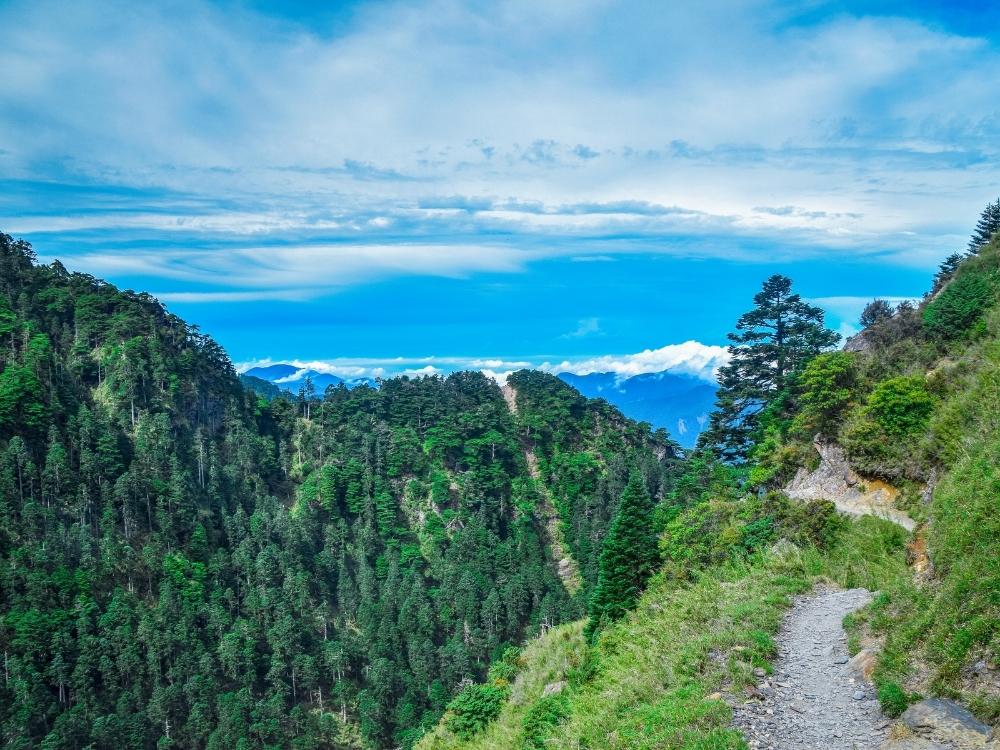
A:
386,186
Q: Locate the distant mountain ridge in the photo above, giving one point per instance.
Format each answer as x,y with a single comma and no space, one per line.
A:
678,403
290,378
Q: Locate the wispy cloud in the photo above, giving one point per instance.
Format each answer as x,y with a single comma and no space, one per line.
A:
356,133
296,272
224,152
280,295
586,327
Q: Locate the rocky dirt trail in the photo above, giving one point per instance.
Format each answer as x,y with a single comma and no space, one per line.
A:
813,700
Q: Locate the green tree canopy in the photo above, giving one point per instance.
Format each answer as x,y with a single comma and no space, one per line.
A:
875,312
772,341
628,558
986,227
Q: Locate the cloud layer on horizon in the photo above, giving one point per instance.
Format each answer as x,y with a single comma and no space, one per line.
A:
688,358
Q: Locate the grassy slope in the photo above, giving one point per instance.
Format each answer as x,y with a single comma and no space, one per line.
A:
937,627
646,683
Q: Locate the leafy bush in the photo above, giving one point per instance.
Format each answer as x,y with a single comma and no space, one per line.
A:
719,531
960,305
880,436
541,718
475,707
506,667
901,406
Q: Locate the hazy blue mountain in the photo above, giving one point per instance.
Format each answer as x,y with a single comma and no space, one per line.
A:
272,372
678,403
290,378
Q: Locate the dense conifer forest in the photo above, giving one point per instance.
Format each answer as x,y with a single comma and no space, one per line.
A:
189,562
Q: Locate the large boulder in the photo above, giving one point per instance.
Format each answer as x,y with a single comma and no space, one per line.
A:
946,721
859,342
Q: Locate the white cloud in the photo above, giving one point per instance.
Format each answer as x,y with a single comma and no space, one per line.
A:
281,295
585,327
688,358
296,272
423,371
846,330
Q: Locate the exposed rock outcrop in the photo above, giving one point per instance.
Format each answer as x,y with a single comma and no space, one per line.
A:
863,663
945,721
836,481
859,342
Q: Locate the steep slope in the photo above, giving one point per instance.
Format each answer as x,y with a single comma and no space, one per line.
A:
918,419
568,569
186,564
904,424
665,676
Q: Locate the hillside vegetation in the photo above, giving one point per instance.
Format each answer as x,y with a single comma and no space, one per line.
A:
192,561
186,562
915,403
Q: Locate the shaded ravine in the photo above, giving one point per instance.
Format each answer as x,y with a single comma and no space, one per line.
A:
566,566
813,701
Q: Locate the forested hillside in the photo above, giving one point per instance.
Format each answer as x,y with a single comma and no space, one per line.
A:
902,423
185,562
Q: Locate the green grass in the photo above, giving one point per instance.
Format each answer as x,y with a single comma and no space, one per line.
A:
935,629
645,683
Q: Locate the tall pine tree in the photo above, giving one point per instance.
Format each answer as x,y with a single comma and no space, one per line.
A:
771,342
628,558
986,227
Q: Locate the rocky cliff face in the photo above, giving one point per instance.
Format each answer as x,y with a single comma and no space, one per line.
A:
836,481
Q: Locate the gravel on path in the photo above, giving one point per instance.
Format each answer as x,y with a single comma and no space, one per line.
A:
811,702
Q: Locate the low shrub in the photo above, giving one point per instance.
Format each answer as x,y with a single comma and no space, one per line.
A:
901,406
539,721
506,667
880,436
475,707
